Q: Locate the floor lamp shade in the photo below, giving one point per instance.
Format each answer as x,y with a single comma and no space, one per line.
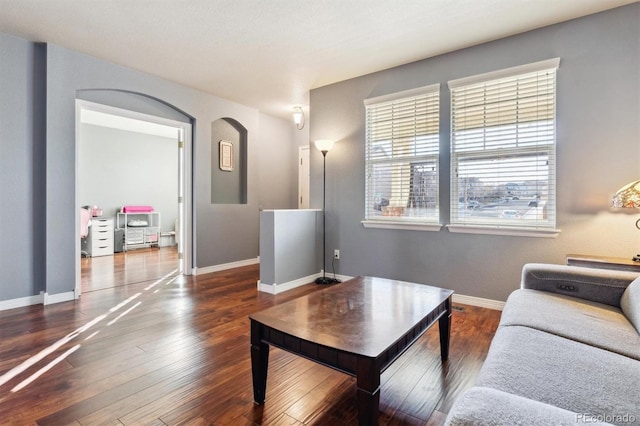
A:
324,145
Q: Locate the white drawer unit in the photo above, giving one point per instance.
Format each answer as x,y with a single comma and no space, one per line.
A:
99,242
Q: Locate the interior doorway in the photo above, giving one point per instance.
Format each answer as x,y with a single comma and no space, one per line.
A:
145,171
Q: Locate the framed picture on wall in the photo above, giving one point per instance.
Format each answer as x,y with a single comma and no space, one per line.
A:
226,156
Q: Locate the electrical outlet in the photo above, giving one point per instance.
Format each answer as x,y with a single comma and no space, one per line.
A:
336,254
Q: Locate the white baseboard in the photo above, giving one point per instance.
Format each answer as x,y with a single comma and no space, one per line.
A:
21,302
225,266
478,301
39,299
279,288
48,299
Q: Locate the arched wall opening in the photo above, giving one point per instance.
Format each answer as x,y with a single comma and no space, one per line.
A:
144,108
228,162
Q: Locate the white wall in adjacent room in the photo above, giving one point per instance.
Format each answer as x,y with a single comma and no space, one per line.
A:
118,167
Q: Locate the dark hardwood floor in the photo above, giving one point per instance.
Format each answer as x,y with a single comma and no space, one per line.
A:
176,351
127,267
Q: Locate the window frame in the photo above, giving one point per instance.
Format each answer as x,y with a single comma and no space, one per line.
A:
532,228
418,223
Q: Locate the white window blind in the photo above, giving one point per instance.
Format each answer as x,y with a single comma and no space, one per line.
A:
503,164
401,160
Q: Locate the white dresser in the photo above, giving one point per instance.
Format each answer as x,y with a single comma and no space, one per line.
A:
99,242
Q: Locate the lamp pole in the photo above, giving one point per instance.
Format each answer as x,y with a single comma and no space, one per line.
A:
323,279
324,146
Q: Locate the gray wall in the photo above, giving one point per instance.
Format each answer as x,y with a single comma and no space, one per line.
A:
118,167
278,181
288,245
124,99
37,111
68,72
22,164
598,148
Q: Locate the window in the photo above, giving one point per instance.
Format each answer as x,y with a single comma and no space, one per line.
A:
401,159
503,150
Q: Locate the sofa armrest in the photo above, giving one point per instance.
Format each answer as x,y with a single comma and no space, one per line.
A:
597,285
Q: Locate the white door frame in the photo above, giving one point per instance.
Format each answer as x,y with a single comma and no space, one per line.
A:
185,213
303,177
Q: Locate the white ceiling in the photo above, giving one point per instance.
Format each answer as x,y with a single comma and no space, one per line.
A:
103,119
268,54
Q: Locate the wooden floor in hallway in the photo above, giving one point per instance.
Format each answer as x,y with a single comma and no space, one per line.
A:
127,267
175,351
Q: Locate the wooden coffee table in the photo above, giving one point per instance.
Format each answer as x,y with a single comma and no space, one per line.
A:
358,327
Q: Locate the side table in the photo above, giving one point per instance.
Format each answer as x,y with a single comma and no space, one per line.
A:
603,262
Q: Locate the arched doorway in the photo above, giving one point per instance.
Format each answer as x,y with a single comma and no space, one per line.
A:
165,118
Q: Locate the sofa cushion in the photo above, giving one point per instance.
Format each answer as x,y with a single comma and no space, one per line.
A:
481,406
630,303
561,372
593,323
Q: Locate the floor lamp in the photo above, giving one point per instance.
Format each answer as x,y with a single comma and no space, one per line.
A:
628,197
324,145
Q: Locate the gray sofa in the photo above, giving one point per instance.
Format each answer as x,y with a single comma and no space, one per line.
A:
567,351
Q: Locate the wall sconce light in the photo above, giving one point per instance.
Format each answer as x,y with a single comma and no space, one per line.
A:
298,117
628,197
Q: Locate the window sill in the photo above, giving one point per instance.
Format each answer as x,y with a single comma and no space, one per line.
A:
499,230
406,226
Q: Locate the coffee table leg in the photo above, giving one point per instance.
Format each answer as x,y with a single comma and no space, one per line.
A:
444,324
259,362
368,392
